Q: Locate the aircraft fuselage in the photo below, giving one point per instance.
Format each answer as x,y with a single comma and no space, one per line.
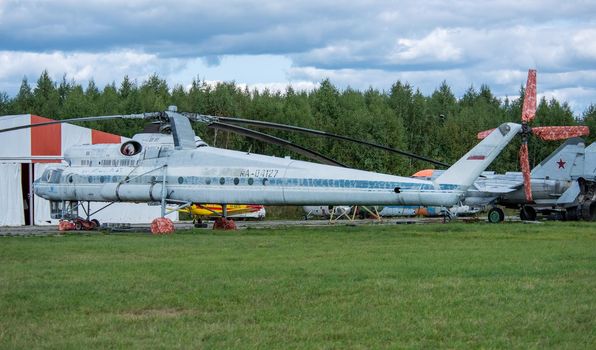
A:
208,174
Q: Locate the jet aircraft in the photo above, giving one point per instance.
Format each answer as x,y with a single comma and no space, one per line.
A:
554,186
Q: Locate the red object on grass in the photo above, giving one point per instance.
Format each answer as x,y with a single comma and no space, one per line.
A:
162,226
224,224
65,225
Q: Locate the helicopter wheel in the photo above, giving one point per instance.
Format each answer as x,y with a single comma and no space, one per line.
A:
495,215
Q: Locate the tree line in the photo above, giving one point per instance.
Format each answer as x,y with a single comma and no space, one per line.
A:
439,126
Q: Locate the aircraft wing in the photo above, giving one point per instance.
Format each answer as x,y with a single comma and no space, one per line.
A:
499,184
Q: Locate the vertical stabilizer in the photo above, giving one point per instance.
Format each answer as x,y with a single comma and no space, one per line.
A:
566,160
465,171
589,171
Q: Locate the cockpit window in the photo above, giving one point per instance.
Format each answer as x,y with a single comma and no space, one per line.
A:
52,175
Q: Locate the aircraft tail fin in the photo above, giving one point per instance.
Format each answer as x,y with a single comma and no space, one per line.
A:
560,164
589,170
467,169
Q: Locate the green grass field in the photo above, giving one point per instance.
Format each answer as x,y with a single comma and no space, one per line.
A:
402,286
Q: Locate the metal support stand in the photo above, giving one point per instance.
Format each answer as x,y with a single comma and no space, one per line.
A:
163,192
374,214
333,219
446,215
63,209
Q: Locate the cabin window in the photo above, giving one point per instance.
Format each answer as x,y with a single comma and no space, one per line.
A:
222,181
208,181
251,181
265,181
181,180
236,181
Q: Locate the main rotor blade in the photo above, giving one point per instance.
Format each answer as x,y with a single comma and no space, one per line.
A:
276,141
326,134
85,119
525,167
529,108
551,133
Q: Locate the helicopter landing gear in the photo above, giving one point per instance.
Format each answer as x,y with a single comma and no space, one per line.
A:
495,215
222,222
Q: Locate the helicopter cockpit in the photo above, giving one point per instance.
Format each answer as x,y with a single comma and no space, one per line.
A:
51,175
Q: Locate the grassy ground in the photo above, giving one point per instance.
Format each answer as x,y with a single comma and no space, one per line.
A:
413,286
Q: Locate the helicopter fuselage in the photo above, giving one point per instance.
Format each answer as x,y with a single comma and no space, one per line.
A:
151,168
209,174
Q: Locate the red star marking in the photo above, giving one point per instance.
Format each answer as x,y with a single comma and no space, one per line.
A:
561,163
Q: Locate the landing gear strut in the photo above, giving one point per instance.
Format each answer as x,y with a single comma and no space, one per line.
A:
588,211
527,213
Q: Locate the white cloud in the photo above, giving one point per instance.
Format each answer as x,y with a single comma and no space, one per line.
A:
271,43
436,46
279,87
103,67
584,42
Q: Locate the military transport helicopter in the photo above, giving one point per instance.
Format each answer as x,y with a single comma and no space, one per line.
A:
146,169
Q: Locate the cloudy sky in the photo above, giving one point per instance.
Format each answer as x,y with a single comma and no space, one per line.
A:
275,43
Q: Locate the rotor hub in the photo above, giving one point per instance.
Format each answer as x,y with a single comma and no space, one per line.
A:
525,132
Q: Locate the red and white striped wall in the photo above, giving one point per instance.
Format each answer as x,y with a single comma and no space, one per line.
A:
45,144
